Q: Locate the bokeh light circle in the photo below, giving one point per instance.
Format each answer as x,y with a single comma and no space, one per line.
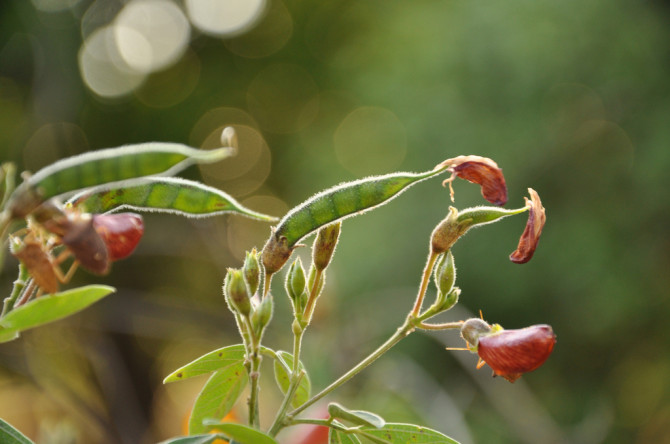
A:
102,68
151,34
370,140
51,142
268,36
224,18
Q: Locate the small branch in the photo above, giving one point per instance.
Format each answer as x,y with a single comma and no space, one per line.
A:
445,326
425,279
19,285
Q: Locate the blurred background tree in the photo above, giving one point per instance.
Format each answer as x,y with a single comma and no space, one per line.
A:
571,98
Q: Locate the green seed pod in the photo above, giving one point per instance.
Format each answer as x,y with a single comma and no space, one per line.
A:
262,314
235,291
324,245
457,223
445,273
106,166
334,204
295,281
252,271
172,195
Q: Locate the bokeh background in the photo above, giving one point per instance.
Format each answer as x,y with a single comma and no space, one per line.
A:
571,98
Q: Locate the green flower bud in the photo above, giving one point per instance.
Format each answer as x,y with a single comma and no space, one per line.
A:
324,245
445,273
235,291
252,271
450,299
263,314
295,280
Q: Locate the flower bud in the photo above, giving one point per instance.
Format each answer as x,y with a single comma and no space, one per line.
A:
262,315
235,291
445,273
252,271
511,353
295,282
450,299
324,245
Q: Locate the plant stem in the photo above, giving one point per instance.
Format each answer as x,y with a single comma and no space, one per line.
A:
313,295
402,332
254,355
445,326
19,285
288,398
427,271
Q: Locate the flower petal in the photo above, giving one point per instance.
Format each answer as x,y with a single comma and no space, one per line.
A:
531,234
482,171
510,353
121,232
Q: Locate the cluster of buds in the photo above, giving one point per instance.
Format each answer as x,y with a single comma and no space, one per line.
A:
239,289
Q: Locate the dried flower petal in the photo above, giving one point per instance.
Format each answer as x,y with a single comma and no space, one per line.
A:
121,232
531,234
510,353
482,171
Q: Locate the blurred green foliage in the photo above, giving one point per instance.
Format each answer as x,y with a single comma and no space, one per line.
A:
570,98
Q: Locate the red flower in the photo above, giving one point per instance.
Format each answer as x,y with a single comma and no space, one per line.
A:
121,232
531,234
482,171
511,353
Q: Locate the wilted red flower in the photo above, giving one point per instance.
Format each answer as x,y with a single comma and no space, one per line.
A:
511,353
531,234
121,232
482,171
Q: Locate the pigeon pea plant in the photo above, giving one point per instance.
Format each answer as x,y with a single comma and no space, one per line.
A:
247,291
68,213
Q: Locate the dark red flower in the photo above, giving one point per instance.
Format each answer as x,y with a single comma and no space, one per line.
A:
531,234
121,232
511,353
482,171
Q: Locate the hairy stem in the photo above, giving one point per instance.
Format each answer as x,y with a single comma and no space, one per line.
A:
19,285
427,271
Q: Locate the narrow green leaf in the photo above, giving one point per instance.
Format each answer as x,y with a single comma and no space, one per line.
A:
218,396
164,194
357,417
195,439
284,379
208,363
53,307
404,434
7,335
107,166
241,433
338,437
9,435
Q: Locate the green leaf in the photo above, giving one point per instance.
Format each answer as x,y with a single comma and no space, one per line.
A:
195,439
218,396
53,307
284,379
208,363
357,417
165,195
107,166
338,437
404,434
241,433
9,435
7,335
